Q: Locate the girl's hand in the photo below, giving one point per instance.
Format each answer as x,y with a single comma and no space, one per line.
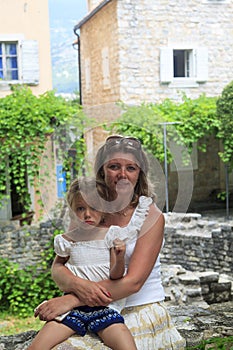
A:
54,307
119,247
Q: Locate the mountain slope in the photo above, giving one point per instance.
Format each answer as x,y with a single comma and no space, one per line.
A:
64,15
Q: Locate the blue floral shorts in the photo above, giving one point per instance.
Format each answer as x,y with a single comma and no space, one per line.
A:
91,319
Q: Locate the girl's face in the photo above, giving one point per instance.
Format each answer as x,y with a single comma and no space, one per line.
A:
86,213
121,173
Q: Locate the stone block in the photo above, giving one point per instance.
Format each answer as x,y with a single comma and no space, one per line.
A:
208,276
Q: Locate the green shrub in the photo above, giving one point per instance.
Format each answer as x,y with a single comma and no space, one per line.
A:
225,116
21,290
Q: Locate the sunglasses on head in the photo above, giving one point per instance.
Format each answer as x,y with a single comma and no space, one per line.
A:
125,140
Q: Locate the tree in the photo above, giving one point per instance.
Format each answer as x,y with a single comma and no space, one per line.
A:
225,116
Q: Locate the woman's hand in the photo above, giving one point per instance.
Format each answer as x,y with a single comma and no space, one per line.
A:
54,307
93,294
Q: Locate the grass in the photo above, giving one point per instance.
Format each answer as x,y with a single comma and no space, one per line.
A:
215,344
12,325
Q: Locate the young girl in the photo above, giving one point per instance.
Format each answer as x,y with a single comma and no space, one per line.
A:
85,251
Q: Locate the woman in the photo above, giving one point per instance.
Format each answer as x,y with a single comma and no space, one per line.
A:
123,166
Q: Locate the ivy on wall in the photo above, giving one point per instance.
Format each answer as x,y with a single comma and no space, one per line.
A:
26,122
187,122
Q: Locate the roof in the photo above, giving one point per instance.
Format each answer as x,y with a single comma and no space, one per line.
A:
91,14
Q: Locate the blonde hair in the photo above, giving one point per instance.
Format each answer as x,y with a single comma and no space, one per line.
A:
89,189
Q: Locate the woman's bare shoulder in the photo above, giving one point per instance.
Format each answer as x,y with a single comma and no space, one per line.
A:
154,222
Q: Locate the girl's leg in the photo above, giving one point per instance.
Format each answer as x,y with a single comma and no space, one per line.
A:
118,337
50,335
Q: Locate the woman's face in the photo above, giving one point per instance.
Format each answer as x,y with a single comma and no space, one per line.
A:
121,173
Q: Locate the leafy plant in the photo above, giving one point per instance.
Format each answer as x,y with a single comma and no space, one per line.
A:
26,123
187,122
21,290
215,343
225,116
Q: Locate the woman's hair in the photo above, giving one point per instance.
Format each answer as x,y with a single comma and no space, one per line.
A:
105,153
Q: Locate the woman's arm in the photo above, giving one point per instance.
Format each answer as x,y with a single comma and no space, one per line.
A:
143,258
89,293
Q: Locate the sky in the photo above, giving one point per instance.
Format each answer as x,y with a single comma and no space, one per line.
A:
67,9
64,15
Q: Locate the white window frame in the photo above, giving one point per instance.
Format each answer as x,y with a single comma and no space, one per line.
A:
5,56
27,60
198,66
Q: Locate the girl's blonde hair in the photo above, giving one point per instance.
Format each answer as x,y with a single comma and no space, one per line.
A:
89,189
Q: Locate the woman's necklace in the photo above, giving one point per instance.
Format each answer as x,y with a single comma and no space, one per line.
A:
124,212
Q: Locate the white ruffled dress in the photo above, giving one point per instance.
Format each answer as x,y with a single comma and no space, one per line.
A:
90,259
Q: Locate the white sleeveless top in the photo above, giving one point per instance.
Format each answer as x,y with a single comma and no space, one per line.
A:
91,259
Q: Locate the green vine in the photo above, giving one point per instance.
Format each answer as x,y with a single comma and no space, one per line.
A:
26,123
187,122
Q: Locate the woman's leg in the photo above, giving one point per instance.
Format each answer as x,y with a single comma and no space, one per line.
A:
50,335
118,337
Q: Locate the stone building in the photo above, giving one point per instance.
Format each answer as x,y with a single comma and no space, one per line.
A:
146,51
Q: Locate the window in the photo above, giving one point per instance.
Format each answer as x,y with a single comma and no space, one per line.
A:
8,61
182,62
183,66
19,61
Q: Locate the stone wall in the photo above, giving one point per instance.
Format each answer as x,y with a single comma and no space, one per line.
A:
24,245
146,26
195,243
198,244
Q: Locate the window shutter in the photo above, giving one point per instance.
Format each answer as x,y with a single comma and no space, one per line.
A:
202,64
105,68
87,64
166,65
30,62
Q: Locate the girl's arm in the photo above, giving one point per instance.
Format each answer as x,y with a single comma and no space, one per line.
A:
117,259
